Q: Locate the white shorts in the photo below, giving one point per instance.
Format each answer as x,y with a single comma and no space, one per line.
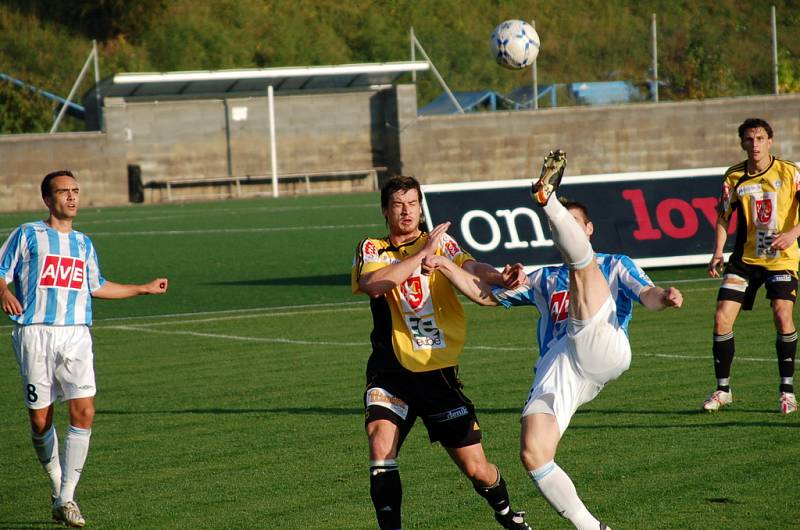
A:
54,361
595,352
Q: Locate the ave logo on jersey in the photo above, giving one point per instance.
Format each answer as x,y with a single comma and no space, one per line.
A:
559,303
62,271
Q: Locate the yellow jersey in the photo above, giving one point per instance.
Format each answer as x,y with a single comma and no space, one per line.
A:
420,322
767,204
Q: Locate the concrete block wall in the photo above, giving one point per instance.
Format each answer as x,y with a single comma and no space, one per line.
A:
98,164
215,137
620,138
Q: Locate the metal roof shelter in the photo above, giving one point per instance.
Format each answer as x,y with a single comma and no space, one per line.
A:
255,80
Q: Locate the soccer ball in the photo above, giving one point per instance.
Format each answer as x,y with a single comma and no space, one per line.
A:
515,44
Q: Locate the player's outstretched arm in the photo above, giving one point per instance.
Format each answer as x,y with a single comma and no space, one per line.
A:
11,305
511,277
472,286
656,298
113,291
384,280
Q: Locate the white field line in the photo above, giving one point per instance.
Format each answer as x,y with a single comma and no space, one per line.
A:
231,230
144,328
85,219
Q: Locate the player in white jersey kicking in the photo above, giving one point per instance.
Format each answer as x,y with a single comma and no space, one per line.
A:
585,306
55,273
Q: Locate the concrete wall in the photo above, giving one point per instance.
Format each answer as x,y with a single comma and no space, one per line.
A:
98,164
634,137
319,132
223,137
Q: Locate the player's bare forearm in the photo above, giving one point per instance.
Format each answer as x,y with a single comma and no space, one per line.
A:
512,275
720,236
115,291
471,285
383,280
656,298
9,301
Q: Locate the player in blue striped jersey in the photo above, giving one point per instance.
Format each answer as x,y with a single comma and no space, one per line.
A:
55,273
585,306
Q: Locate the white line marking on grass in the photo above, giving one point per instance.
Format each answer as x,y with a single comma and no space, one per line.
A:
235,337
231,230
281,340
249,315
214,211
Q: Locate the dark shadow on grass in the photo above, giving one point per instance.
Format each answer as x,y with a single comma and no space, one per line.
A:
277,410
325,279
27,525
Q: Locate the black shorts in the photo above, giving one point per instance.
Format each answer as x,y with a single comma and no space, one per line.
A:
435,396
747,279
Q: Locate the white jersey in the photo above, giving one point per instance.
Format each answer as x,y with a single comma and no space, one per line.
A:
548,290
53,273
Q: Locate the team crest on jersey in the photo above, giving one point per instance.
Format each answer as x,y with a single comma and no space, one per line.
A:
412,292
764,210
559,303
63,272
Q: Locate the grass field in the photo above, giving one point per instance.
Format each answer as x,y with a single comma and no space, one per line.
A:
234,401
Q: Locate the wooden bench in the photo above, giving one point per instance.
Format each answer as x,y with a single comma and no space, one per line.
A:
236,183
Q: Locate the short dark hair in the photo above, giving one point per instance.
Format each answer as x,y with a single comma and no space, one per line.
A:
50,176
754,123
395,184
570,204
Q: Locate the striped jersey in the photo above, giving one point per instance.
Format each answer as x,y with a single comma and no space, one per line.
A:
767,204
54,274
548,289
420,323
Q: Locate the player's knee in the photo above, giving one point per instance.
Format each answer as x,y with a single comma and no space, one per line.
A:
535,454
381,442
39,425
82,415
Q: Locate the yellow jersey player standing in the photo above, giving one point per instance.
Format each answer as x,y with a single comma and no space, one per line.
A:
418,335
763,191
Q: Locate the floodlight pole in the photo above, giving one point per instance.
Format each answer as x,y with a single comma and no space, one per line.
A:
535,74
413,54
272,144
438,76
97,85
78,81
774,52
655,60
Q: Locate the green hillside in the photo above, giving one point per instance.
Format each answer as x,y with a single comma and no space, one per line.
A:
706,48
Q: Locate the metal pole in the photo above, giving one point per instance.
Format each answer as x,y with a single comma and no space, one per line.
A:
535,74
272,144
439,77
72,92
655,60
413,54
97,85
774,52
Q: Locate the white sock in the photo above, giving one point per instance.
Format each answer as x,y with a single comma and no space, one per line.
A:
558,489
76,447
568,236
46,446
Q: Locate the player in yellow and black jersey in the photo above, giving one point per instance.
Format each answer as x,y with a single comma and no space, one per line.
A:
763,192
418,335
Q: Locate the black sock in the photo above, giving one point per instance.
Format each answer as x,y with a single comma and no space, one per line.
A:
786,348
387,493
723,349
496,494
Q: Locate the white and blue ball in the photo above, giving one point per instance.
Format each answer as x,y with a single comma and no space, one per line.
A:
515,44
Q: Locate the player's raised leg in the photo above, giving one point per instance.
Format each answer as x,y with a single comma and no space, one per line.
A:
588,287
